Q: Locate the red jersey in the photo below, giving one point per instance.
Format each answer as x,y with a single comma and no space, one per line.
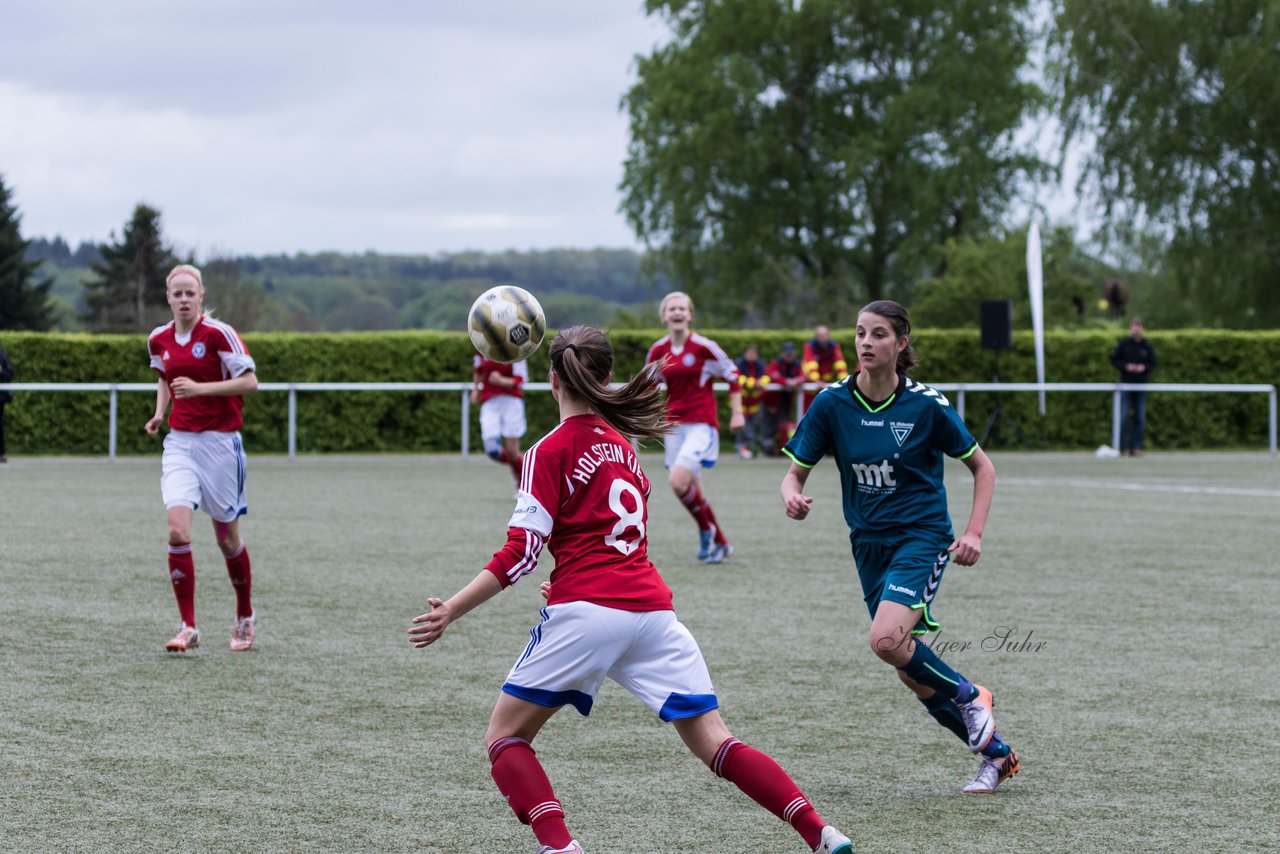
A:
583,495
689,374
518,371
211,353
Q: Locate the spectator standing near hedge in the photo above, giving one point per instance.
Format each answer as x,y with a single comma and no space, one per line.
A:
786,374
753,380
6,376
205,370
823,361
1135,359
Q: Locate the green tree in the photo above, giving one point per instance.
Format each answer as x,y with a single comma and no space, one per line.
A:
1181,97
792,160
235,300
128,291
24,302
995,267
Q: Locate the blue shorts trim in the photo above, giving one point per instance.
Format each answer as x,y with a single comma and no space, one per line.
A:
680,706
551,699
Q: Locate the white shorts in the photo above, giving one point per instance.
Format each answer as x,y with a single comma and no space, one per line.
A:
502,416
204,470
578,644
693,446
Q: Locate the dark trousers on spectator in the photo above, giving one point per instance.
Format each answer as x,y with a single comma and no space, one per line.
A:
1133,408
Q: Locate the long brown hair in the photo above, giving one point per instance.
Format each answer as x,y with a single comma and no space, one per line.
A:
900,320
583,359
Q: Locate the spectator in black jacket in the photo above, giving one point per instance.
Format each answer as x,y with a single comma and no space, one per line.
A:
1135,359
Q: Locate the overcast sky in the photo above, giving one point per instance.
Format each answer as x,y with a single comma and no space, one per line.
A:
309,125
283,126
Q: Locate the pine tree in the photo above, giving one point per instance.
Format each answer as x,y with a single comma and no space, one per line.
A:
24,302
128,294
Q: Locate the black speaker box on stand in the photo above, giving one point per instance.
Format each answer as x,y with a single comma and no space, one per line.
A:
997,324
997,335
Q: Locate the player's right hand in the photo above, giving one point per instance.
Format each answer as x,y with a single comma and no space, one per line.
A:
427,628
153,425
798,506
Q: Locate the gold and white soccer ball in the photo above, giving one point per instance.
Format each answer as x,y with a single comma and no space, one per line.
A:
506,324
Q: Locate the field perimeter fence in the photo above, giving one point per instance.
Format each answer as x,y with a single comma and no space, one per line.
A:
958,393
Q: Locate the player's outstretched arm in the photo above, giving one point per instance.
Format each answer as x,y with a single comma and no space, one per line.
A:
427,628
794,501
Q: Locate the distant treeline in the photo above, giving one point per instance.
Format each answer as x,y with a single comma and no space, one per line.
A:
331,291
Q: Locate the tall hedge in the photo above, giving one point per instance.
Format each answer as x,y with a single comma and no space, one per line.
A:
76,422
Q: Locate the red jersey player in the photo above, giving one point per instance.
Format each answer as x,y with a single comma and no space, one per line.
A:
608,614
689,363
497,387
204,370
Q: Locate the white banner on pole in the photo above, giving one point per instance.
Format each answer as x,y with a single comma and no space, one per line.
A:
1035,285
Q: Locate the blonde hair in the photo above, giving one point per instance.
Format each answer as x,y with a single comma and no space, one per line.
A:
662,306
185,271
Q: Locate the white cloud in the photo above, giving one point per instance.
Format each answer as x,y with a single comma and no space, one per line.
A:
295,126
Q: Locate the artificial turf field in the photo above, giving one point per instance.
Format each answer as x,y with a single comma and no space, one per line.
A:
1143,699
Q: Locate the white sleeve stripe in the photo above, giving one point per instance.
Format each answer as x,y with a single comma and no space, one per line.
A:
529,562
727,366
232,337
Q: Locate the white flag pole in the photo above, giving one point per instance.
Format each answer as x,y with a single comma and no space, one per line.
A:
1035,285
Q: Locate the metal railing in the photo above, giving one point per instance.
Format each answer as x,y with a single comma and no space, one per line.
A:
464,388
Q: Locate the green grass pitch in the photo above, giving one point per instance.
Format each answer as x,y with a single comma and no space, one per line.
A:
1144,704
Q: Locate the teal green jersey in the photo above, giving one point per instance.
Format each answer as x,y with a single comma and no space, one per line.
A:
890,457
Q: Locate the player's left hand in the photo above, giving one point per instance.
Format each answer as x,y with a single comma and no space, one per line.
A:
545,589
185,387
966,549
736,420
427,628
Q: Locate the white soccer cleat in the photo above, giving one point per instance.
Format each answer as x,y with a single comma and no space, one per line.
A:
188,637
992,773
979,719
572,848
242,633
719,552
833,842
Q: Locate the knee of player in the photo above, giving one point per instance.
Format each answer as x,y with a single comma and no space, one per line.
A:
893,647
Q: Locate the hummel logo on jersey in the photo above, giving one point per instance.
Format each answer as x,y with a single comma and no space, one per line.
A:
866,423
599,430
901,430
896,589
874,475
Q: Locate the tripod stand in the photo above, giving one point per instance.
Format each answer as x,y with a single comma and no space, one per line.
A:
998,413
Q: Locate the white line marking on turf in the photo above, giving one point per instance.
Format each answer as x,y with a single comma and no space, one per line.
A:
1142,487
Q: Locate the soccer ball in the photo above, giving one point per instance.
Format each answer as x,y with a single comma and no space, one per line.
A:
506,324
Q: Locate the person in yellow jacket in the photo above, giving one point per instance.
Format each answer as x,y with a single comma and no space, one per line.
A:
823,362
753,381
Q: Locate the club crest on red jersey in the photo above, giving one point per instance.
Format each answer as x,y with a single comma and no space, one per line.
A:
687,360
198,350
